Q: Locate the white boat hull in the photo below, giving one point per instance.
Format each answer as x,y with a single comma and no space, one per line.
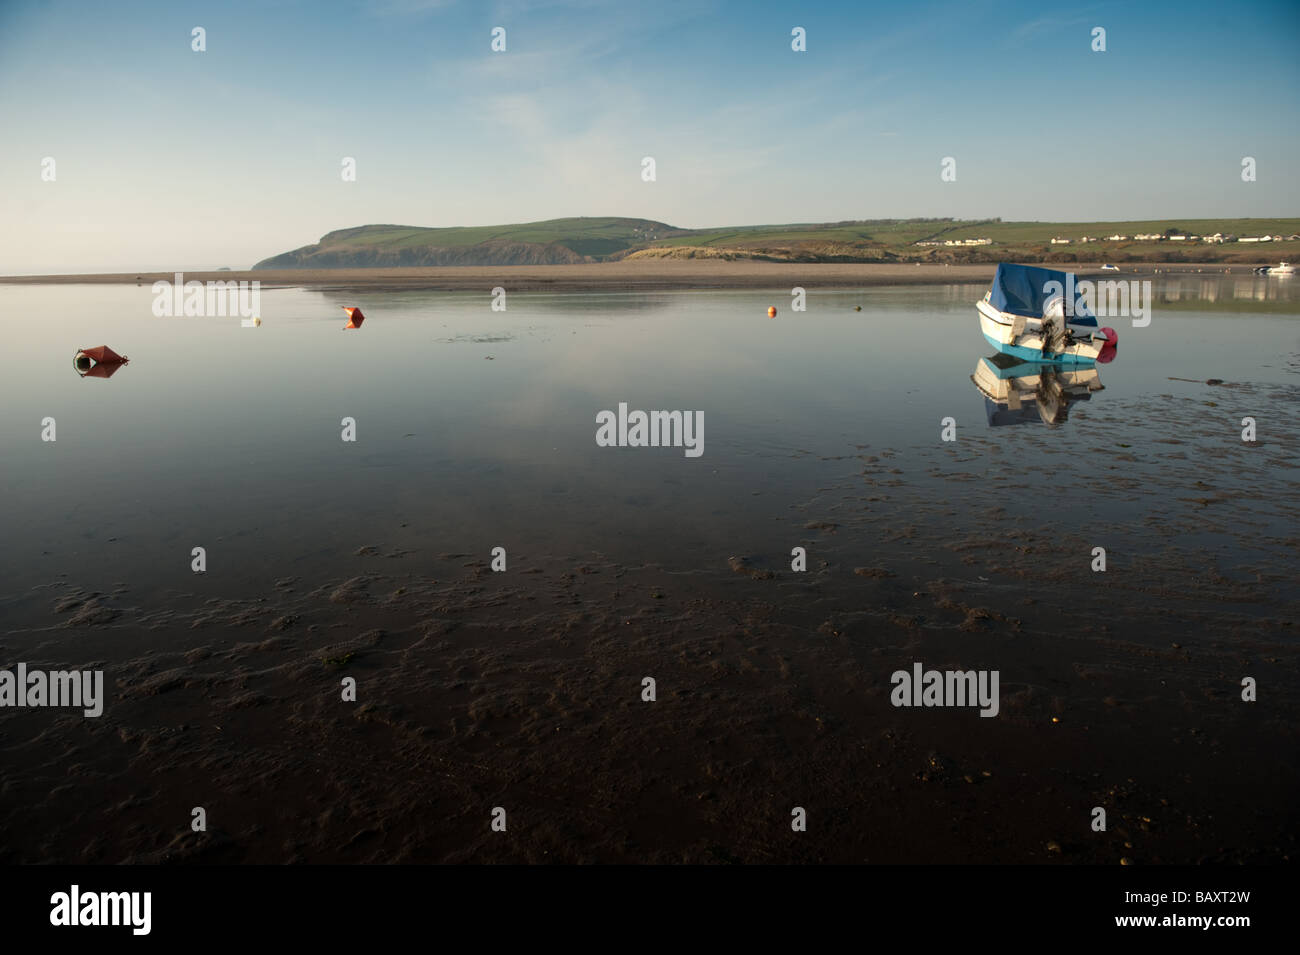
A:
1026,339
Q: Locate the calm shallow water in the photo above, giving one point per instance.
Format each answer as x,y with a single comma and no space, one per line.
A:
822,430
477,428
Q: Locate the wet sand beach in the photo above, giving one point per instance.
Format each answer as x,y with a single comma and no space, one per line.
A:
523,689
474,694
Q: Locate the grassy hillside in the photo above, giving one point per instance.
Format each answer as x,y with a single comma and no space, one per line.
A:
534,243
597,239
895,241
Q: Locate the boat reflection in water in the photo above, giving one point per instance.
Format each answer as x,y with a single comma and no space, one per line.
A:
1019,392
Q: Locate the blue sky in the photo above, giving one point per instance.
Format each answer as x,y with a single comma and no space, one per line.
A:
168,158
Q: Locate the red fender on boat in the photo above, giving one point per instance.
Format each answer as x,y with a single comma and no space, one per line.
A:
1108,350
355,318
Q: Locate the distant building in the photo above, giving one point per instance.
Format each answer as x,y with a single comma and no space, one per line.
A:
1060,241
1149,237
1116,238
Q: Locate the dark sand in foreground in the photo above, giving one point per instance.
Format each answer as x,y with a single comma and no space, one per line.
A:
523,689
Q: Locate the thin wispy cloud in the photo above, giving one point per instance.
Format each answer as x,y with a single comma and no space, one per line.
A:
1047,25
406,8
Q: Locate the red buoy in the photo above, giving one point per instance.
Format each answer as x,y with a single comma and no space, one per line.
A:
104,355
98,362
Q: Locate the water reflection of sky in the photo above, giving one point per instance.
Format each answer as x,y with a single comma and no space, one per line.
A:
477,427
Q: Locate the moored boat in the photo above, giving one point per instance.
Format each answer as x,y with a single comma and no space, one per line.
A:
1041,315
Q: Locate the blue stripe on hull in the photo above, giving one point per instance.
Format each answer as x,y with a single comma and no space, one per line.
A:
1034,355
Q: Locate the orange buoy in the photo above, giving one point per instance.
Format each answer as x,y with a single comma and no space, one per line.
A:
355,318
771,311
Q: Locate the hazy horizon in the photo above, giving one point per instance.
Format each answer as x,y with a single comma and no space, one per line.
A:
64,270
169,158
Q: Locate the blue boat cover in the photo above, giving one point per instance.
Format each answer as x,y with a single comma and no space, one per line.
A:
1023,290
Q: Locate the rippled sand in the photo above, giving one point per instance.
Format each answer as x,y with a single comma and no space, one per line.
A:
523,689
